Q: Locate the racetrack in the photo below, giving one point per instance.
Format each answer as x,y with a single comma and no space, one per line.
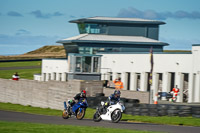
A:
24,117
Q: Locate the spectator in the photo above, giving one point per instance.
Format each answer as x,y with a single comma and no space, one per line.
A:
15,76
118,84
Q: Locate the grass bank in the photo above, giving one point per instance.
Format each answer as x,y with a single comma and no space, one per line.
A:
187,121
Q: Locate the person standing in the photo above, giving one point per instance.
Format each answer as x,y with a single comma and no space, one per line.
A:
118,84
15,76
175,92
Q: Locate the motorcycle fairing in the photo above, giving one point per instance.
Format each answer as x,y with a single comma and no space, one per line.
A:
75,107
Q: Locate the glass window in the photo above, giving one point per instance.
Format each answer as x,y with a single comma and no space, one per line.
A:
96,64
91,28
81,28
87,61
78,64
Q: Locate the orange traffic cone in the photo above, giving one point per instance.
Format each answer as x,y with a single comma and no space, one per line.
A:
156,99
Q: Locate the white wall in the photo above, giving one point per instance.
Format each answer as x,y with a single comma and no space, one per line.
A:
57,69
179,64
54,69
54,65
141,63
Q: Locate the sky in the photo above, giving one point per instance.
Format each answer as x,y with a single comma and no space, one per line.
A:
26,25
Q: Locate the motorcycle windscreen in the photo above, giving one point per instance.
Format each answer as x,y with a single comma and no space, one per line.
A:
75,107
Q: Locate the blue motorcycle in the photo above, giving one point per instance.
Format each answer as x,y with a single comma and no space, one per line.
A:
78,109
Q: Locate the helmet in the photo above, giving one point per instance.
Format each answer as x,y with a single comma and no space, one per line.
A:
83,92
117,92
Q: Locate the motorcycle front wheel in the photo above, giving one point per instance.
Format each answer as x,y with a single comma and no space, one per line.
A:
65,114
96,117
80,114
116,116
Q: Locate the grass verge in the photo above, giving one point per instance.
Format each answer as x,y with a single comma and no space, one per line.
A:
22,127
187,121
23,73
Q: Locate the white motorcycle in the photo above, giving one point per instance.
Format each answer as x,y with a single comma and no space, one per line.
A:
111,113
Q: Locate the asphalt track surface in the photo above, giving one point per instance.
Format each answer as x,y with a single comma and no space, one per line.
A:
24,117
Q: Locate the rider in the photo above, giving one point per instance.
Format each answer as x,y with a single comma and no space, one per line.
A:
77,98
112,99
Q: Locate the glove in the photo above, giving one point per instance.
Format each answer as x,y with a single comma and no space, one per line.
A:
106,104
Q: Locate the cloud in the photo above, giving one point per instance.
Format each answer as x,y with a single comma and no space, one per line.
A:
22,32
39,14
71,16
15,14
151,14
57,14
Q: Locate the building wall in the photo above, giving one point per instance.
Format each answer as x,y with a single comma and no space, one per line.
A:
169,70
141,62
54,69
54,65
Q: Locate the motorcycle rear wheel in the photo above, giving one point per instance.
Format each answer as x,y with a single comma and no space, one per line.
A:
116,116
96,117
65,114
80,115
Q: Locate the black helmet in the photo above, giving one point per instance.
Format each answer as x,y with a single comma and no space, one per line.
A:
117,92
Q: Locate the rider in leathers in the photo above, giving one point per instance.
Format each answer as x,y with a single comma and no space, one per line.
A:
112,99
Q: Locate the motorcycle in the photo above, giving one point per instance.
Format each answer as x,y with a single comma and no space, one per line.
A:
78,109
112,113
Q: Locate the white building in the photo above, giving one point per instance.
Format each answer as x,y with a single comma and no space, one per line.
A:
106,57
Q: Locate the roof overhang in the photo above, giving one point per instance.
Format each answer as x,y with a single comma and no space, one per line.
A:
111,39
117,20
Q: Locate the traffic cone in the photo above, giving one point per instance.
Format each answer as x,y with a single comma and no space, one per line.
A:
156,99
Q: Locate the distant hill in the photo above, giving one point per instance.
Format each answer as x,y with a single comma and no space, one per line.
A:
52,51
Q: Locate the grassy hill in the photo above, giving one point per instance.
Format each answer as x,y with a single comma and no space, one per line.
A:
53,51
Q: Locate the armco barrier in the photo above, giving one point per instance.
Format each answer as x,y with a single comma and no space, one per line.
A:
163,110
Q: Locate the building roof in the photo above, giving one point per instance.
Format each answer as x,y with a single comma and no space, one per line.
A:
116,20
114,39
195,44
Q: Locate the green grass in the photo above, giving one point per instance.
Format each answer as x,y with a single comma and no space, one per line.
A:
23,73
37,110
19,64
10,127
173,120
187,121
22,127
